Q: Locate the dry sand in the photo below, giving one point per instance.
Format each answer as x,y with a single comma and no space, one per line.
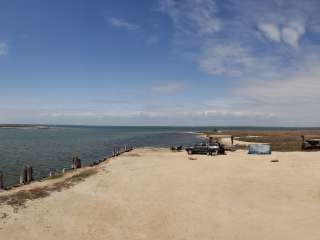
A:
156,194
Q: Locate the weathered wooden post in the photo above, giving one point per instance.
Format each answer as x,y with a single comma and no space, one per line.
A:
26,175
231,140
1,181
76,162
63,170
23,175
302,145
114,151
79,163
29,173
73,166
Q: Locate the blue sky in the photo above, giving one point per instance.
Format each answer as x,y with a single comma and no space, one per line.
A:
160,62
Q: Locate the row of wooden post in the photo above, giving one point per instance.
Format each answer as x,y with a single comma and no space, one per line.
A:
118,150
26,174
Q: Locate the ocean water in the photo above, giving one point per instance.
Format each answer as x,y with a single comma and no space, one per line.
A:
52,149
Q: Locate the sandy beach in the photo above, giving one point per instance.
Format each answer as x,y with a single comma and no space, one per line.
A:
158,194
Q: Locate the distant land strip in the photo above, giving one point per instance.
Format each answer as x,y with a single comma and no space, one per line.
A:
24,126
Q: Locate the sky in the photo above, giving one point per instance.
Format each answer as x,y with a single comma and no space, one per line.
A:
160,62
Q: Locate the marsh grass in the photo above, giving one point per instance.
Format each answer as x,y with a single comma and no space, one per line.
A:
280,140
18,199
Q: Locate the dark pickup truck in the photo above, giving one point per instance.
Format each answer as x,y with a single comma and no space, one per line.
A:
206,148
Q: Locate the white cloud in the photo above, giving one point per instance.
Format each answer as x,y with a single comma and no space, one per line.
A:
192,16
298,88
169,88
197,22
270,31
4,48
223,59
292,34
121,23
292,99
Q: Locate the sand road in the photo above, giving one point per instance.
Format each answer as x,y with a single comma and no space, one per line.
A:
156,194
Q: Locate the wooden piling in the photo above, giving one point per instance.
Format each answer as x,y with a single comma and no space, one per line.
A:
1,181
29,174
26,174
76,162
23,175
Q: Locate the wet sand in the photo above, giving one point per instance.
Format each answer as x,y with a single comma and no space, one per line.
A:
156,194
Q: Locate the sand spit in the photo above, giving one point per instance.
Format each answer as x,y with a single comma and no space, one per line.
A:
156,194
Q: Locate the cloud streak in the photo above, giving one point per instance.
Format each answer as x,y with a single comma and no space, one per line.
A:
224,59
4,49
192,17
169,88
121,23
270,31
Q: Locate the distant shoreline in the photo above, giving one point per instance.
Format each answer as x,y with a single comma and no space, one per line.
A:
23,126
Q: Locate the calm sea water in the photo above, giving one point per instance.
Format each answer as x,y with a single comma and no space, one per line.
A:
52,149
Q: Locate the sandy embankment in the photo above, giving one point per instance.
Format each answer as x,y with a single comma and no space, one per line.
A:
157,194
